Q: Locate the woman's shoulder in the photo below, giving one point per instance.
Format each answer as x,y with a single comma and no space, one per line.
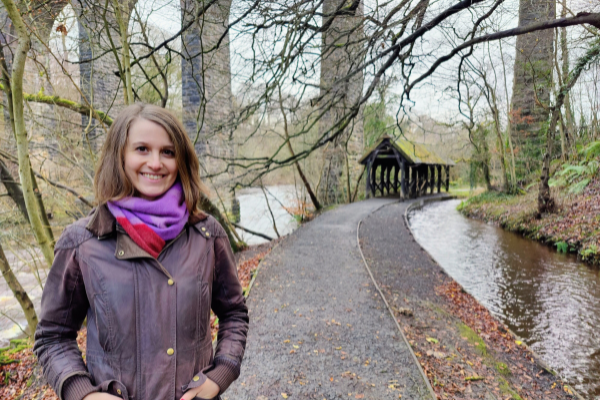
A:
75,234
208,226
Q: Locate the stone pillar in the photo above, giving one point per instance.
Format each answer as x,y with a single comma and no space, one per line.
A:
206,87
98,79
341,52
532,83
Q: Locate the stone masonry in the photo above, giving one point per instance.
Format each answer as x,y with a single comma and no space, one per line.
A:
206,86
532,83
342,51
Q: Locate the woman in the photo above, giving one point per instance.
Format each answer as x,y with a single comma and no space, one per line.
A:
145,268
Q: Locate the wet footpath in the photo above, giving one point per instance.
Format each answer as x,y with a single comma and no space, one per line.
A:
319,328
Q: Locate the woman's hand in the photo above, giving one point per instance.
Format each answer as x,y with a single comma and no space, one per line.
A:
101,396
208,390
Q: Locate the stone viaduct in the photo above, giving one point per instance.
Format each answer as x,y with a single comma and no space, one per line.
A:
206,78
207,102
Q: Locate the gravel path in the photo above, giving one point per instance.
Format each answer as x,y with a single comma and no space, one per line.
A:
318,327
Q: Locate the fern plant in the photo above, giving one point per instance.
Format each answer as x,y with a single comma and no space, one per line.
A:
576,177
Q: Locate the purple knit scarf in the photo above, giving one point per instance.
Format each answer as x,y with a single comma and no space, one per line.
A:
150,223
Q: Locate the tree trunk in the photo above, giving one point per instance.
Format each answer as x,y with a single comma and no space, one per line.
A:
513,175
19,293
13,188
564,50
122,15
311,194
491,98
25,172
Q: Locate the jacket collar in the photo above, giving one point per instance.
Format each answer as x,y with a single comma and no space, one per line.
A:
103,223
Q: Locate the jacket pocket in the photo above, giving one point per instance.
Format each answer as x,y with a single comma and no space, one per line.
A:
103,368
103,325
203,311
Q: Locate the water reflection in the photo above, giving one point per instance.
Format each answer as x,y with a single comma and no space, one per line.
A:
551,300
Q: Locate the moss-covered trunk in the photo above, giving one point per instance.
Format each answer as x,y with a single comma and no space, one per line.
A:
25,173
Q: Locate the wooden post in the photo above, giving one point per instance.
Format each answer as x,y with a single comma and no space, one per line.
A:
447,168
412,181
432,181
396,171
388,181
368,178
403,179
416,182
382,178
373,180
425,180
420,181
439,177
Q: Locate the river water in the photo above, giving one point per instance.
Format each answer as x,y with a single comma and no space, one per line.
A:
254,215
550,300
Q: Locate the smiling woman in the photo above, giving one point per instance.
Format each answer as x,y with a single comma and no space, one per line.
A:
145,268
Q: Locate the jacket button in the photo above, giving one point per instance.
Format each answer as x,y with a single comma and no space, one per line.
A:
203,229
196,378
207,234
170,352
119,392
121,252
170,282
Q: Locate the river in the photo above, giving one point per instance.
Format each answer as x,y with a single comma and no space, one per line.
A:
550,300
254,215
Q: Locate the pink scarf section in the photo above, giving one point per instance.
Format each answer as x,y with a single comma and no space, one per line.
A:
150,223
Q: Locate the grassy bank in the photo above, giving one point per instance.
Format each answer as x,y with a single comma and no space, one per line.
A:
573,228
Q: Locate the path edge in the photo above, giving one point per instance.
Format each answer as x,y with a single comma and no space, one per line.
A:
423,375
415,205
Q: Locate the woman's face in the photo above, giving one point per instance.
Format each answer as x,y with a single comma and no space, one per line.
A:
150,162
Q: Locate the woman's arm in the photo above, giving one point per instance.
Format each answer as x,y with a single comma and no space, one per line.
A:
229,304
64,307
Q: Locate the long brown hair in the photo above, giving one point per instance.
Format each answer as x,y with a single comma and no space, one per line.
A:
110,180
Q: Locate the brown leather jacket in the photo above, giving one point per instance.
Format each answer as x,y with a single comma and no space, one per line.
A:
148,333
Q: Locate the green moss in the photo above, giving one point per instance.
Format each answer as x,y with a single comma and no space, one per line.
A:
507,390
15,346
502,368
474,339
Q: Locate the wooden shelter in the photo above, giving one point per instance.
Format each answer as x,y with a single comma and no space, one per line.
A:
402,166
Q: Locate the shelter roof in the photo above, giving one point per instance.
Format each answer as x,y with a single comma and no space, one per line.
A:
414,153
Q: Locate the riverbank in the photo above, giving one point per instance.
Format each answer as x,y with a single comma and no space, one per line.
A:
20,374
573,228
465,351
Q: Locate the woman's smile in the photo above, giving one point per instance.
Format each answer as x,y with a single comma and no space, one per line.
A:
152,177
